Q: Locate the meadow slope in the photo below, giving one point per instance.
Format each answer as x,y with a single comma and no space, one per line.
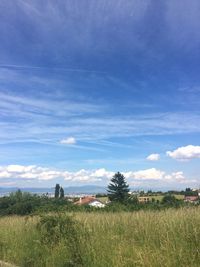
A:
146,238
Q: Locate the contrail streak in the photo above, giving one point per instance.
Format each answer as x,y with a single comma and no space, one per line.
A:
49,68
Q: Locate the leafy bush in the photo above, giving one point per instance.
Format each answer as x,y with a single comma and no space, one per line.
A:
25,203
19,203
169,199
56,230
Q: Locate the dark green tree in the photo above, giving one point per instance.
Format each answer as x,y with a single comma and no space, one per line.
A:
188,189
17,196
118,188
57,191
169,199
62,193
190,192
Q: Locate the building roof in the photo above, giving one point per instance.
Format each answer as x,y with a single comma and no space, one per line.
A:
192,198
86,200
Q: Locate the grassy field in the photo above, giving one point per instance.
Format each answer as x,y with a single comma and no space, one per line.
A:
160,197
157,197
146,238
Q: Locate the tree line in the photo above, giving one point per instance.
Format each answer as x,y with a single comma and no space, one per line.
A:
118,192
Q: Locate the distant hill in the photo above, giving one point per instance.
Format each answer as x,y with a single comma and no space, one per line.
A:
86,189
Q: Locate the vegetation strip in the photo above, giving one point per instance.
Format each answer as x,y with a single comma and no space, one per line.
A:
136,239
6,264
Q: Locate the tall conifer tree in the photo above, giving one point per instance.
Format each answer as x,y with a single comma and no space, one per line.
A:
57,191
118,188
62,193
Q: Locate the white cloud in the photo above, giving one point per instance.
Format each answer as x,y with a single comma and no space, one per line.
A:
178,176
153,157
185,153
103,173
16,173
5,174
28,172
148,174
7,183
89,175
158,175
20,168
32,172
68,141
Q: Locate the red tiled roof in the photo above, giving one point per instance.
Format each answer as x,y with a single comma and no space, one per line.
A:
85,200
191,198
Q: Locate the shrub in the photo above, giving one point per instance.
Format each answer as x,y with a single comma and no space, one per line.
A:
169,200
63,230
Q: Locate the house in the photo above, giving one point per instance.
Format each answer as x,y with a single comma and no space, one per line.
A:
143,199
191,199
91,201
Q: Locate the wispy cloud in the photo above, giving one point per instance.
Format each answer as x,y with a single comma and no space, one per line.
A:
13,66
44,107
30,118
63,29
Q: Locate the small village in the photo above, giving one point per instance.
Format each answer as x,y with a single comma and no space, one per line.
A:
190,195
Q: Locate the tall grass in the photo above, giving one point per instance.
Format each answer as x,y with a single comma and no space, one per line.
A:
145,238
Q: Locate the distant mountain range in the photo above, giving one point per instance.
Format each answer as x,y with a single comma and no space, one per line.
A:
86,189
71,190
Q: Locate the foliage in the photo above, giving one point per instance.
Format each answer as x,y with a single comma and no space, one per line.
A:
189,192
57,191
19,203
169,200
132,199
62,193
57,229
118,188
23,203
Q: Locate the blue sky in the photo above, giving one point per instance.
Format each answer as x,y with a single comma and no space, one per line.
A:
88,88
